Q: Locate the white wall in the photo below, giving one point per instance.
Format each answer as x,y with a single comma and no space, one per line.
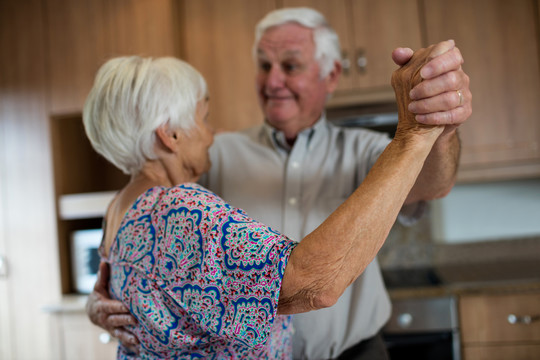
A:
488,211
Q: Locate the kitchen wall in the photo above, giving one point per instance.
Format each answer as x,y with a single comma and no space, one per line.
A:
488,211
479,232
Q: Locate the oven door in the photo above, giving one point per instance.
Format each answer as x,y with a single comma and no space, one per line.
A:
423,328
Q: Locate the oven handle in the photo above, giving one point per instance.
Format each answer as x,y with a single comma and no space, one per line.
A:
392,340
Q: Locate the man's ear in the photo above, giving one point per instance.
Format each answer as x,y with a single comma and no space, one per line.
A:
167,137
332,79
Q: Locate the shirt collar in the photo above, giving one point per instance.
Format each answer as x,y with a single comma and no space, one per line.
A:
278,137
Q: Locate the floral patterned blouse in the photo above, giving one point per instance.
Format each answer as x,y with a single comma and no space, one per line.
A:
201,277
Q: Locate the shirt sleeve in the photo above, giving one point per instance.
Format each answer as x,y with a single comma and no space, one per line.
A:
224,268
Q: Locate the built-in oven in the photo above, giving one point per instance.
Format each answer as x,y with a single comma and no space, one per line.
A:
423,328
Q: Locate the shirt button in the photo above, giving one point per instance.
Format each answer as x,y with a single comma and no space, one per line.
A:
292,201
295,164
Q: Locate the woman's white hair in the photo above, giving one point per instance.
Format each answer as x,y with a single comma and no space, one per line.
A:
131,98
327,48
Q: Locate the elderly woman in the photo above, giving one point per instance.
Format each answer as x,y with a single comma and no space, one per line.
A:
203,279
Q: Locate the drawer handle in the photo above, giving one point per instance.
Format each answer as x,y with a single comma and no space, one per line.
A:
345,63
361,61
526,319
105,338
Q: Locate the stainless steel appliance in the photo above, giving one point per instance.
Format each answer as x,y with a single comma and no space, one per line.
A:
423,328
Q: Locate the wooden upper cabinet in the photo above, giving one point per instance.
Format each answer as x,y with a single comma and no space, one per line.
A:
217,40
83,34
379,27
499,42
369,30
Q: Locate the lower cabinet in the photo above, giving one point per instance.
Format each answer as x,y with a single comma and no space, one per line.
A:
502,352
500,326
78,338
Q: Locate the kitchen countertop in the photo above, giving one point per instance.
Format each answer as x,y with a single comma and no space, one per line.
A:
460,289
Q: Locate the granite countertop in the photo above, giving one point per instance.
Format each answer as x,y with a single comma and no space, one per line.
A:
413,265
460,289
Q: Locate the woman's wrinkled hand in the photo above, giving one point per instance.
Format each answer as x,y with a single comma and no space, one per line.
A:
404,80
110,314
440,93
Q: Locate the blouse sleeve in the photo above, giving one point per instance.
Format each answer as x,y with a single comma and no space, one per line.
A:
224,268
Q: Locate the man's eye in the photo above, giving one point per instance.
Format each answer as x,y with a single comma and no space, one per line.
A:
265,67
290,67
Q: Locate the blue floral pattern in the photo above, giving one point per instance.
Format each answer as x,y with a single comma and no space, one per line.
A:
201,277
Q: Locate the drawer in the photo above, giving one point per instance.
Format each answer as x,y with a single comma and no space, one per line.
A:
505,352
485,318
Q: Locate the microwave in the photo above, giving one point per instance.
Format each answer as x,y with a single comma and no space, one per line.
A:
85,259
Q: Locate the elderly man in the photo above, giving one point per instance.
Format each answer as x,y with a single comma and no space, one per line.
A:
296,168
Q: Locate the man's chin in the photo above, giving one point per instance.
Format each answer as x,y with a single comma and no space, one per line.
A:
275,117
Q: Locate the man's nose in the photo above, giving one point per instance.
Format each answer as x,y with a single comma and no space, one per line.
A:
275,78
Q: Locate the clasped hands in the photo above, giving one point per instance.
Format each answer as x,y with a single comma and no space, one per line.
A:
431,87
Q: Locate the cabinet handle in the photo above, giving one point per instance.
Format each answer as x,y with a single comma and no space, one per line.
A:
345,63
525,319
105,338
3,266
361,61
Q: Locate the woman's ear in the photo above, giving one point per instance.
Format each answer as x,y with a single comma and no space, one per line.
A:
167,137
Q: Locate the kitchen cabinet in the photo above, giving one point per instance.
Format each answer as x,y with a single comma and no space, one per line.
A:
82,35
368,30
500,326
499,41
83,340
27,222
75,337
217,40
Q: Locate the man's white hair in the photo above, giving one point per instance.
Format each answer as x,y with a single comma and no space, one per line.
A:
131,98
327,48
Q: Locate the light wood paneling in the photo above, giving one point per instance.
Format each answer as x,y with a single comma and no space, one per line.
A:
217,40
485,318
28,221
497,352
486,332
83,34
82,340
499,41
379,27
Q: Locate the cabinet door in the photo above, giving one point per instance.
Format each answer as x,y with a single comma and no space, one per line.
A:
85,341
499,42
218,39
380,26
83,34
